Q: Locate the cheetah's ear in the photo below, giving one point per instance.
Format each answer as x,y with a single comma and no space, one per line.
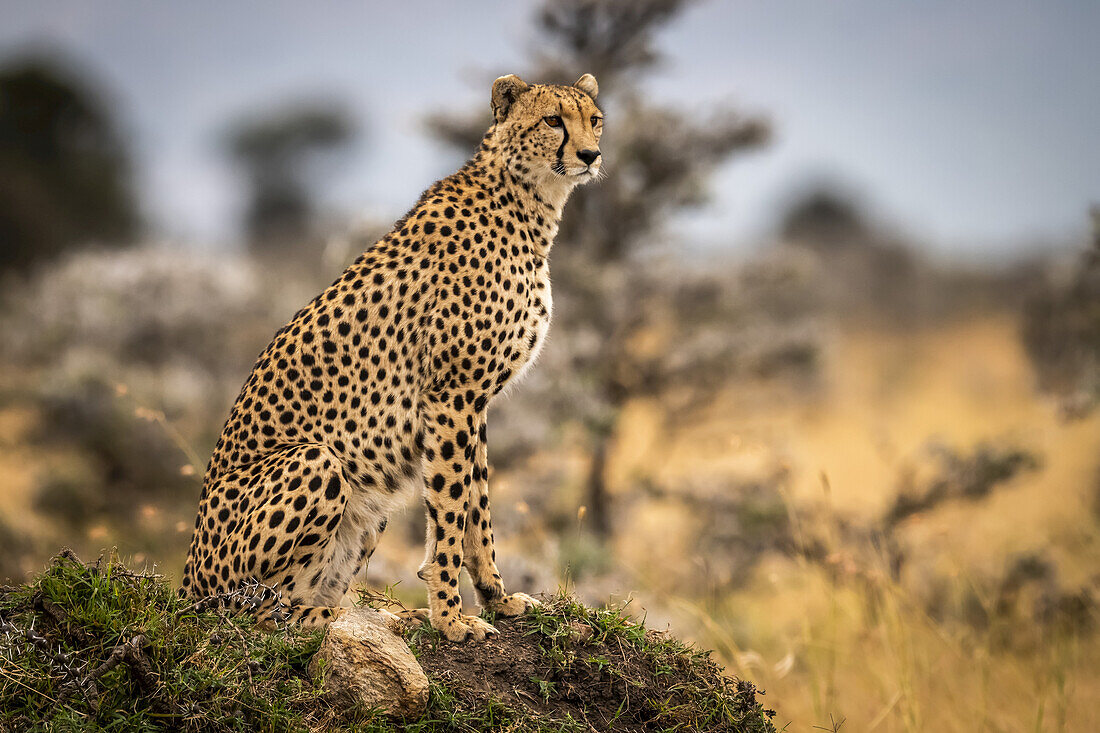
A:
506,90
588,85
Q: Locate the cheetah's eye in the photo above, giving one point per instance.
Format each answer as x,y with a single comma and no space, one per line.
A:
595,120
552,120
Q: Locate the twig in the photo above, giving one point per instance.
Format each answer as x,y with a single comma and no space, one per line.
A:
61,618
368,596
116,656
141,668
63,664
250,597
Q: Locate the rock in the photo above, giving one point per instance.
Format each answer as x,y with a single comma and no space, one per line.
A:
365,665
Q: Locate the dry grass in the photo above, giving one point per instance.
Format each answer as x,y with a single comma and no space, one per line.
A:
848,639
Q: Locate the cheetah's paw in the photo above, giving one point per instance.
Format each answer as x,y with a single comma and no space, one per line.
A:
403,620
515,604
466,628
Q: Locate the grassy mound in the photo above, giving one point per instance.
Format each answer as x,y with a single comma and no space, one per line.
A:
87,647
588,669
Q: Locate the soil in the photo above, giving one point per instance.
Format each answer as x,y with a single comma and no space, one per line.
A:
621,692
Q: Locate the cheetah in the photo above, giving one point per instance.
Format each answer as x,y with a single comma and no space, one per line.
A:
379,387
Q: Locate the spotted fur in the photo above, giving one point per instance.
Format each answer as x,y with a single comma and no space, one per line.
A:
382,382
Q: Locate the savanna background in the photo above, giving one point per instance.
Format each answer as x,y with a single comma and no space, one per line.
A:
821,389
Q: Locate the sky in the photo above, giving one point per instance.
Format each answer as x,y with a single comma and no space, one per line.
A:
972,126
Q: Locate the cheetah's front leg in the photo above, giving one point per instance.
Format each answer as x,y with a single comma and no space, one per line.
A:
480,555
449,438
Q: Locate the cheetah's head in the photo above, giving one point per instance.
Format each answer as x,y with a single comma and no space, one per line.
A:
549,134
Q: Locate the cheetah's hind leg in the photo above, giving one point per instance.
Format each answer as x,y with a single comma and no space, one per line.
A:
304,617
271,614
268,539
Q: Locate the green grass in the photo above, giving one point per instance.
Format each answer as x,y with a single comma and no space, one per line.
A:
195,670
98,647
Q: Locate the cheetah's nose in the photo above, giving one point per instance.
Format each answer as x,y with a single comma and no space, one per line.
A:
588,156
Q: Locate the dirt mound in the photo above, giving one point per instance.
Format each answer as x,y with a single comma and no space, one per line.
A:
566,662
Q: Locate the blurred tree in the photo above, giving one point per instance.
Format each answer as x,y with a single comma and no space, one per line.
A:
824,218
1061,331
659,160
277,153
864,266
66,172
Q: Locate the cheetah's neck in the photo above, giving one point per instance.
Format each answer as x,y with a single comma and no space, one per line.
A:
539,200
